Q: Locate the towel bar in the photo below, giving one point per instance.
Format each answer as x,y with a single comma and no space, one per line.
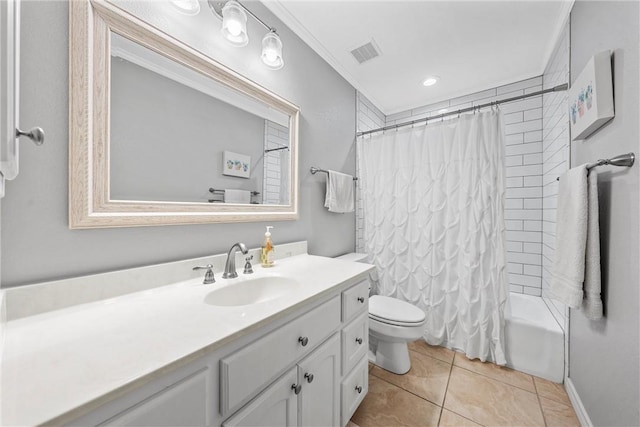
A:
622,160
314,170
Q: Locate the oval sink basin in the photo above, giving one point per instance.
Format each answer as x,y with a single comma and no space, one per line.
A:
251,291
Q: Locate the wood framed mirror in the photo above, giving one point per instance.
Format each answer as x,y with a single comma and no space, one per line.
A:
161,134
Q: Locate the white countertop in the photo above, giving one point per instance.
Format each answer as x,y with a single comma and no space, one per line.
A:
57,362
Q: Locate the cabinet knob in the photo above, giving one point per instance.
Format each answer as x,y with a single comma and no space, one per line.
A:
296,388
304,341
358,389
359,340
309,377
361,299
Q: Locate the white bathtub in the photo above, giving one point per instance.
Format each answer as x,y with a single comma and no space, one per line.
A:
533,339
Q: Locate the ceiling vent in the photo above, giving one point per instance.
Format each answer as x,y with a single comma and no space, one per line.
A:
366,52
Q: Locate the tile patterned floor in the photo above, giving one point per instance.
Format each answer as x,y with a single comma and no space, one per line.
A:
444,388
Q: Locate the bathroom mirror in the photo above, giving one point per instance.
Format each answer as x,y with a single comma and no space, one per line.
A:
161,134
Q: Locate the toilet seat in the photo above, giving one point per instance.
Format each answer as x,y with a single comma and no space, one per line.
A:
393,311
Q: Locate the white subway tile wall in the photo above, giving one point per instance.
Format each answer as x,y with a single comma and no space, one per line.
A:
275,136
524,170
369,117
555,156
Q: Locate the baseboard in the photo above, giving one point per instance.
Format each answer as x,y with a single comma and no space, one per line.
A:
581,412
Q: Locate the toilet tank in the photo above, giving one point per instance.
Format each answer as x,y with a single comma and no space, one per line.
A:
354,257
359,257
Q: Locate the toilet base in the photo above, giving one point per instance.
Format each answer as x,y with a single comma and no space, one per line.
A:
393,357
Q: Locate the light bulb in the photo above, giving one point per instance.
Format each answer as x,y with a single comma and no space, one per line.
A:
234,28
271,55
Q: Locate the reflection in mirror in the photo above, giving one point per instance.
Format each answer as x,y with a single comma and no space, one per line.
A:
179,136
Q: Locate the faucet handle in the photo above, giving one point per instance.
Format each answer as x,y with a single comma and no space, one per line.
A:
208,276
248,268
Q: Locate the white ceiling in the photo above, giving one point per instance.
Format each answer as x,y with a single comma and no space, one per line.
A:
471,45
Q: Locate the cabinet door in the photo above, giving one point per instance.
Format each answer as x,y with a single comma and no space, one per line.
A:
320,400
276,406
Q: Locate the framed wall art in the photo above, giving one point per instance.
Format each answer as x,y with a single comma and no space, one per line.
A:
591,97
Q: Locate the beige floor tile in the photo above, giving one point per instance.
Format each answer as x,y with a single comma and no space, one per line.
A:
427,378
352,424
440,353
556,414
451,419
491,402
506,375
388,405
551,390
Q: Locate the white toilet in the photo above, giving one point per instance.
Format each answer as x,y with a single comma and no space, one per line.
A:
393,323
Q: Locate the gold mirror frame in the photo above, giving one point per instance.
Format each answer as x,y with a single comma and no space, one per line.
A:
90,206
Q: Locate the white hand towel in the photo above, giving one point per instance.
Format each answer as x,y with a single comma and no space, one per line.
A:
592,302
577,256
237,196
339,195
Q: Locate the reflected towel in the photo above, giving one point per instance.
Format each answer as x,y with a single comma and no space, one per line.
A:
575,279
237,196
339,195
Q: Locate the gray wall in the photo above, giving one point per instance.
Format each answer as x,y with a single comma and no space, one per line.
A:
36,242
604,354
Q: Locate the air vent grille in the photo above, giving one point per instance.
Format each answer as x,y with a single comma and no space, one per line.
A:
366,52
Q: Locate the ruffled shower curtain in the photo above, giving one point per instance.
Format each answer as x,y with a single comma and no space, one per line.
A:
433,200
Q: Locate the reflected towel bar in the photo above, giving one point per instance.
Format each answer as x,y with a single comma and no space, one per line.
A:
622,160
314,170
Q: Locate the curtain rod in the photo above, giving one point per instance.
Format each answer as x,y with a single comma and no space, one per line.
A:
558,88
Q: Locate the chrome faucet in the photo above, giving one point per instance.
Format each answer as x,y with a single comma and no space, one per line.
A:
230,267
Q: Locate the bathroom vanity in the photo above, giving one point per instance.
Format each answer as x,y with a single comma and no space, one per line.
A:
283,346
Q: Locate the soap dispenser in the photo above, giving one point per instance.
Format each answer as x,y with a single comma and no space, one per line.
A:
267,249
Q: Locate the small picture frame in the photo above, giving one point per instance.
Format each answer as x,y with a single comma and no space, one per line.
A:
591,97
234,164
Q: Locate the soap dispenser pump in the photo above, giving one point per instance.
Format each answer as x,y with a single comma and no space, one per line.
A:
267,249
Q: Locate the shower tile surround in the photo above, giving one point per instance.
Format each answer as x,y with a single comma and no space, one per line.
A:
524,172
275,136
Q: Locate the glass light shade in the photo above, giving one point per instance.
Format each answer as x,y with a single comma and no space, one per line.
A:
186,7
272,51
234,24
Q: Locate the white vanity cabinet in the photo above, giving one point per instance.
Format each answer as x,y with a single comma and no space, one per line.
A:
308,367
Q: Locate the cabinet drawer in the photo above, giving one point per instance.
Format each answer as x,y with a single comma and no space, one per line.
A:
355,300
355,342
250,369
354,388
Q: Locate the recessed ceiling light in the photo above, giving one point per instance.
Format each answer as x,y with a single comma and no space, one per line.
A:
430,81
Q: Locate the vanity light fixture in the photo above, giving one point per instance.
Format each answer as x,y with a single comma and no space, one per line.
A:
234,29
234,24
431,80
186,7
272,50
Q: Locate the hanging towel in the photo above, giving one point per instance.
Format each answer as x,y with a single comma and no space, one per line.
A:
575,279
237,196
339,196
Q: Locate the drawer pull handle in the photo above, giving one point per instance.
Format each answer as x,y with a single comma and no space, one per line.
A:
361,299
296,388
304,341
359,340
309,377
358,389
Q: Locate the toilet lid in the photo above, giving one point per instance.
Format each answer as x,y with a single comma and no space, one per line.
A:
394,310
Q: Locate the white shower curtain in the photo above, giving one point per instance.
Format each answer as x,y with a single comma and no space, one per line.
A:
433,201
